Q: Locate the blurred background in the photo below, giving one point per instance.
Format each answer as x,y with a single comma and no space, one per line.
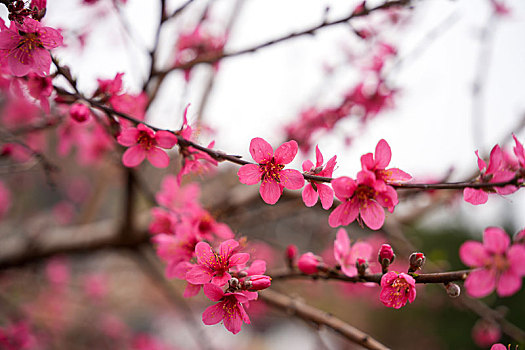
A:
452,74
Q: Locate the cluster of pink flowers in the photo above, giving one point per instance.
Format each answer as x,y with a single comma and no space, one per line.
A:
365,100
355,260
193,160
498,264
181,229
361,199
502,167
364,198
198,44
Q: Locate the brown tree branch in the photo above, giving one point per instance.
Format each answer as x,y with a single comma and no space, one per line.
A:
322,318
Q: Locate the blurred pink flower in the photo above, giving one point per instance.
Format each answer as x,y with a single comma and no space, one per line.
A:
270,169
347,255
501,266
25,47
485,333
5,200
309,263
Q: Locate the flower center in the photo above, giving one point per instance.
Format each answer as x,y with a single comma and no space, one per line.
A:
364,192
500,262
271,171
146,141
29,42
401,287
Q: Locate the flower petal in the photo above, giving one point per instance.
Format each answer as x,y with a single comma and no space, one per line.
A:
383,154
198,275
473,254
213,292
133,156
344,187
344,214
249,174
286,152
261,151
291,179
508,284
475,196
270,191
158,158
213,314
309,195
373,214
326,194
165,139
480,283
495,240
128,137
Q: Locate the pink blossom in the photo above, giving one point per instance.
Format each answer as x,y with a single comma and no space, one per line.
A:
25,47
378,162
500,265
163,221
214,266
79,112
132,105
364,198
229,309
397,289
519,151
146,143
497,171
270,169
346,254
176,197
198,44
40,88
309,263
17,336
5,200
485,333
110,87
386,252
499,346
314,189
194,160
500,8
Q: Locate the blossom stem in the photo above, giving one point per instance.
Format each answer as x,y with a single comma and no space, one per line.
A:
439,277
320,317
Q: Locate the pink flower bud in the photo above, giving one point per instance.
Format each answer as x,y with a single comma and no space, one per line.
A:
259,282
386,256
79,112
386,252
361,265
309,263
485,333
416,260
291,252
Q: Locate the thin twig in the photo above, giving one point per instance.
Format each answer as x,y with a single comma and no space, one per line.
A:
320,317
